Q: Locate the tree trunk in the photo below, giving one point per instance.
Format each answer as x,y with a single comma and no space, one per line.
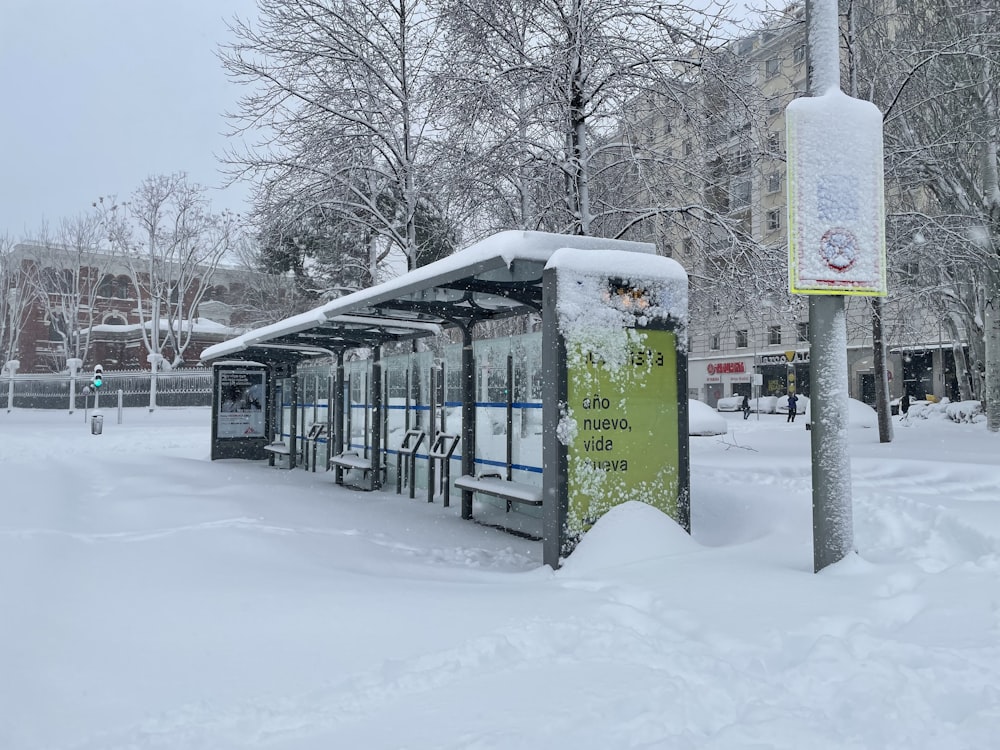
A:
881,376
991,335
962,373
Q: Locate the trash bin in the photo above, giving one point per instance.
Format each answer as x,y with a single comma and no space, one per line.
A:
96,424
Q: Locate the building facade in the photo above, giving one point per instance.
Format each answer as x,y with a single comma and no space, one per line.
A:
67,303
747,338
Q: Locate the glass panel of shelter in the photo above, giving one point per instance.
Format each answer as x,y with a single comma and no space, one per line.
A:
508,408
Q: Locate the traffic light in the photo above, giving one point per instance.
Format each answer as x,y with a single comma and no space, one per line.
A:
98,380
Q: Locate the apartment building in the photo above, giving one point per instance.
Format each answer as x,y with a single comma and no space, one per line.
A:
731,159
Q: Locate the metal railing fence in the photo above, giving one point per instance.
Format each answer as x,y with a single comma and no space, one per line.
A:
52,391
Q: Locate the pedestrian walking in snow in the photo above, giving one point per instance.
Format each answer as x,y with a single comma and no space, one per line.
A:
904,406
745,407
793,406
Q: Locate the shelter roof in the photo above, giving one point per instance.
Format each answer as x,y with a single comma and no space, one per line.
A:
498,277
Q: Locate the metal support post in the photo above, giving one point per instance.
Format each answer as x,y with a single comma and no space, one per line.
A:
293,418
833,531
468,416
510,417
337,446
432,421
376,424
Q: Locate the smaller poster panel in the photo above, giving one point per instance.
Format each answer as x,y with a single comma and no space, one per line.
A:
836,222
241,404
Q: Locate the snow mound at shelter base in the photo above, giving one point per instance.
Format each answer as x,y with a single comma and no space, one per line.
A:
628,533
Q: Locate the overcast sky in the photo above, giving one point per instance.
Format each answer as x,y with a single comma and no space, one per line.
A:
99,95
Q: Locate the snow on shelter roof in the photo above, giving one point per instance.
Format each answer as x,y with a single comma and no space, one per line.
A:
497,277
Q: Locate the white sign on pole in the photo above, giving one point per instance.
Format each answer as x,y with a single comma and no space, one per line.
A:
836,204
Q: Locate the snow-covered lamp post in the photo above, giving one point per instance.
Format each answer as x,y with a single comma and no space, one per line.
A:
154,364
836,241
10,367
74,364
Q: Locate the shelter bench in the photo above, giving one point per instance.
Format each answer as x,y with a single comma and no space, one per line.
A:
281,453
495,485
353,460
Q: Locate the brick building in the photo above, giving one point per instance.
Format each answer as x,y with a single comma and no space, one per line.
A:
84,303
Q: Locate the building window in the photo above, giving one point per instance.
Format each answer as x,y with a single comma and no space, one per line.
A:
774,142
774,220
742,340
800,54
740,162
121,290
803,331
774,334
739,193
772,67
774,182
668,249
714,344
52,280
688,247
107,287
774,106
688,148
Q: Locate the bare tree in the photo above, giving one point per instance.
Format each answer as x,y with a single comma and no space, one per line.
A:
540,90
344,90
936,83
171,244
16,299
69,267
265,297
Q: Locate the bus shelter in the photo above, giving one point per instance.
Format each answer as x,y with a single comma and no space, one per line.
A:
607,371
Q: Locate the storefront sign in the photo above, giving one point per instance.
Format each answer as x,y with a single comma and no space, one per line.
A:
722,368
783,358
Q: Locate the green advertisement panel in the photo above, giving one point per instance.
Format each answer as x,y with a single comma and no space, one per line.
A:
624,442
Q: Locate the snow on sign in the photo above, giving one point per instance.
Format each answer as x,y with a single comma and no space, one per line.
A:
836,214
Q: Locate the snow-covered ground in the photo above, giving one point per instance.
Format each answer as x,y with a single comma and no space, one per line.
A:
150,598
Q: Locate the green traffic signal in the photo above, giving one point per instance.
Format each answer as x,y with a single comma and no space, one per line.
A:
97,381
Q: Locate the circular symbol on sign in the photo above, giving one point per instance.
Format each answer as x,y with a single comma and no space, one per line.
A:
711,369
839,249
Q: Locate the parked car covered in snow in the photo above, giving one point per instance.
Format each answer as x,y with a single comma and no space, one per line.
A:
859,414
704,420
764,404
